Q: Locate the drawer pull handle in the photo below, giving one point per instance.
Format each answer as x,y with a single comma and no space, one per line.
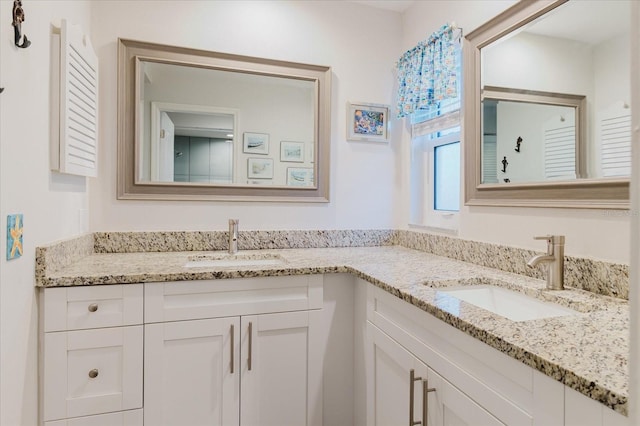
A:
93,373
412,380
250,341
93,307
232,332
425,401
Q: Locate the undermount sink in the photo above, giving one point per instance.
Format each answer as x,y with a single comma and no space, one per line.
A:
224,260
506,303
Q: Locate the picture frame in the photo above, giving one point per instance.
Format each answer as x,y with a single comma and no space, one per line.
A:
311,152
300,176
292,152
260,168
368,122
255,143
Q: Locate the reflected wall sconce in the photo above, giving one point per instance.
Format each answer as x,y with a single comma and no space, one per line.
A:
504,165
518,142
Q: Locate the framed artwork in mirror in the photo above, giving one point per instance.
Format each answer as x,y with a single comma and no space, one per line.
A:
260,168
292,151
256,143
299,176
367,122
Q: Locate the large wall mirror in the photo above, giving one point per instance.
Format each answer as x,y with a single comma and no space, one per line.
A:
200,125
547,108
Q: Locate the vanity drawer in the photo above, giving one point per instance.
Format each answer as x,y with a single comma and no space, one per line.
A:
185,300
77,308
90,372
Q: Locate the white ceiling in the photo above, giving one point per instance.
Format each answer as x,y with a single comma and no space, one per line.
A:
395,5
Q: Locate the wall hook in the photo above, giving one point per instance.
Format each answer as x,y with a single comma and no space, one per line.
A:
507,180
504,165
18,19
518,142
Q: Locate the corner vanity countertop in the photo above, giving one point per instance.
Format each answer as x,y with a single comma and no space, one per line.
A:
587,352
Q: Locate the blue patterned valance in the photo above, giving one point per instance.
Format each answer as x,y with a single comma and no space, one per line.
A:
427,73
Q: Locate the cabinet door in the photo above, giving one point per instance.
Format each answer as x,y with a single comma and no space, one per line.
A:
281,369
447,406
192,373
395,383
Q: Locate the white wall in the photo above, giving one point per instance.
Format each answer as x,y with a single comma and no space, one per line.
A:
590,233
51,203
361,45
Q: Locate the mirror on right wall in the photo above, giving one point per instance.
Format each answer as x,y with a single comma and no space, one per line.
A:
547,106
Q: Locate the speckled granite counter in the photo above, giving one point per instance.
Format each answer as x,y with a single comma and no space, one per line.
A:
588,351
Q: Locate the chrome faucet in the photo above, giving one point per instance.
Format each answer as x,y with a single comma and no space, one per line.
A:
555,260
233,236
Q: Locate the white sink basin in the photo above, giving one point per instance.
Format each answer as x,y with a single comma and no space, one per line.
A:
509,304
233,260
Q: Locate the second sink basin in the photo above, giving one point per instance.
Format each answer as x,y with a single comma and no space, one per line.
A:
509,304
225,260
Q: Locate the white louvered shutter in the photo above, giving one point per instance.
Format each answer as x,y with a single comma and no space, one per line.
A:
78,132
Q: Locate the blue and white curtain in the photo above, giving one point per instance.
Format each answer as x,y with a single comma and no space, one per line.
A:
427,73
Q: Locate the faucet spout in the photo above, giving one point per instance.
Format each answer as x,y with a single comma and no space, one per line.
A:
233,236
536,260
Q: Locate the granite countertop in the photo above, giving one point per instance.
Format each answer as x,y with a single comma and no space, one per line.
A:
587,352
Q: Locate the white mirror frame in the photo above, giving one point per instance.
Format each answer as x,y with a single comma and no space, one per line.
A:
609,193
131,53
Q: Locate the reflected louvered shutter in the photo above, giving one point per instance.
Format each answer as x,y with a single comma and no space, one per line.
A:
615,139
560,148
78,103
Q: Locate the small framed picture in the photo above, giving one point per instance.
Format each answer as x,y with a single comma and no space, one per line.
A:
256,143
299,176
260,168
292,151
367,122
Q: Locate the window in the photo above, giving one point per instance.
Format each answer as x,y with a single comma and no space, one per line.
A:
435,179
435,165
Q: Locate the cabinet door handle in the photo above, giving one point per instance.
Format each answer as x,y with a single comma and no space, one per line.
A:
425,401
250,339
232,345
93,373
93,307
412,380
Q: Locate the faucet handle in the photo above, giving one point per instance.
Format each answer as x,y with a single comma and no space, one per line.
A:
551,239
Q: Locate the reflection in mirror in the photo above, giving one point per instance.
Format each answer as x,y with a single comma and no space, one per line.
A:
214,109
202,125
188,143
537,134
582,48
554,47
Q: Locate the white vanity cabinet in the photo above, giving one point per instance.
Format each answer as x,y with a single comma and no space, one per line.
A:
234,352
472,383
469,383
406,391
91,356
